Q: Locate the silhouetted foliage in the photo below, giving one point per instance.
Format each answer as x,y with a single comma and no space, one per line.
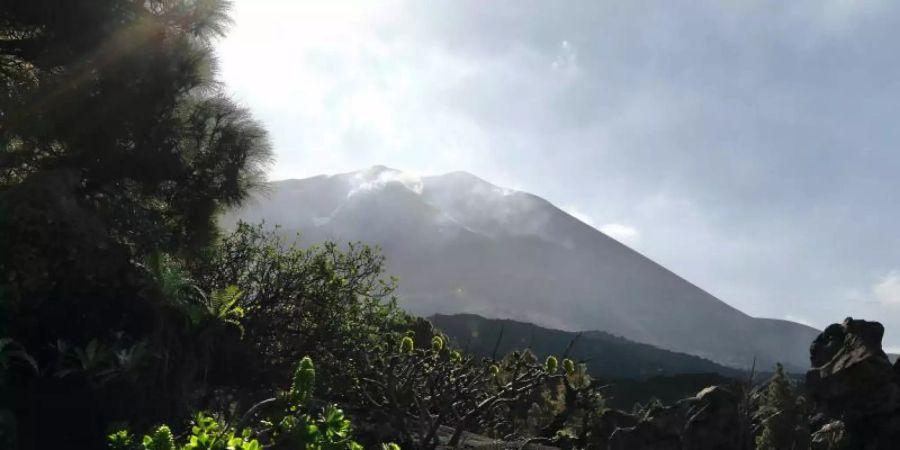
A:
332,305
781,412
117,148
118,99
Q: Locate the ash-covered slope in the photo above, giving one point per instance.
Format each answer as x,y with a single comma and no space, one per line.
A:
460,244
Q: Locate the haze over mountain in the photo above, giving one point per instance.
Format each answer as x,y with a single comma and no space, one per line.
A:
461,244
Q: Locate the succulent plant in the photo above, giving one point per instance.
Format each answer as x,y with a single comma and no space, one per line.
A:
569,366
406,345
437,343
161,439
552,364
304,380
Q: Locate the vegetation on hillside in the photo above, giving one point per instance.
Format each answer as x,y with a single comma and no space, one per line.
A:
623,359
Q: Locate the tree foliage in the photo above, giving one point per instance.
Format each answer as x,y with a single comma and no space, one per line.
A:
781,412
117,149
118,100
331,304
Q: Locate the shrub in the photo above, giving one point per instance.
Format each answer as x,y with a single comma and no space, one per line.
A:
294,423
781,412
331,304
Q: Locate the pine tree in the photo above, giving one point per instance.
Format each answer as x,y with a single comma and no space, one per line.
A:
782,415
120,95
116,144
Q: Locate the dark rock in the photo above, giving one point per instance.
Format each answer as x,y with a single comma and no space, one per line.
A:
613,418
858,374
608,422
472,441
818,420
831,436
889,433
855,388
659,429
708,421
713,420
869,332
827,345
645,435
670,418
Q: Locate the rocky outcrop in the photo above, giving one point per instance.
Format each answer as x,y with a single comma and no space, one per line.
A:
714,420
472,441
831,436
658,429
855,388
612,420
646,435
711,420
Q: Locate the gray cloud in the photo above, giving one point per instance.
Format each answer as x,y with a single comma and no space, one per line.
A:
750,144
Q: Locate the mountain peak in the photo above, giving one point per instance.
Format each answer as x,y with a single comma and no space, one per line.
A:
467,183
462,244
463,175
378,177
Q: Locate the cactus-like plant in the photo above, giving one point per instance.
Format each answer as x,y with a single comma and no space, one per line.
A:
406,345
569,366
437,343
304,380
552,364
161,439
120,440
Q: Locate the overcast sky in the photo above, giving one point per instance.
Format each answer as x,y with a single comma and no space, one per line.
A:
749,146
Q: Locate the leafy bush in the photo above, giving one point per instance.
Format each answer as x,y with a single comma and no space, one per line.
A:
333,305
418,385
294,424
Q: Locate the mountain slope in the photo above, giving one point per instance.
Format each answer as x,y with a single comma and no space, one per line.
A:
632,372
461,244
607,356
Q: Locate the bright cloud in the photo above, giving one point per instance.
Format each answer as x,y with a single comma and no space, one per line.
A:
378,177
887,289
567,59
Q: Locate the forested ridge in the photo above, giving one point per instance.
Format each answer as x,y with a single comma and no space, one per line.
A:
617,357
129,320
